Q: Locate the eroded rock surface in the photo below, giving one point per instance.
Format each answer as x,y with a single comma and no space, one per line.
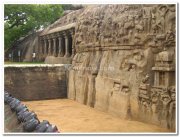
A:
125,61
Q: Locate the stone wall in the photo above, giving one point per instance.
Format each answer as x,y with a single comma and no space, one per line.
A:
36,82
121,51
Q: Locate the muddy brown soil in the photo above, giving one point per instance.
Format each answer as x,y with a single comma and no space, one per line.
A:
71,116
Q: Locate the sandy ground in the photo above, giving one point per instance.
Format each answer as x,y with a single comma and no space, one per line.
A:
71,116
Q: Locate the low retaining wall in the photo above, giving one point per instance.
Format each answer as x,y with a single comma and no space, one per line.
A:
36,82
57,60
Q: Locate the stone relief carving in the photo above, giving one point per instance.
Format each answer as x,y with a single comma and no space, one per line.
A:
155,21
140,33
137,61
157,104
121,87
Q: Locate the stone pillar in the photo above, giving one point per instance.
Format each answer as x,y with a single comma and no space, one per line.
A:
54,46
60,53
49,48
39,52
40,46
67,54
45,47
73,48
156,78
167,78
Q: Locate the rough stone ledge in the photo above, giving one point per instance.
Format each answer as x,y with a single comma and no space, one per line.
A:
37,65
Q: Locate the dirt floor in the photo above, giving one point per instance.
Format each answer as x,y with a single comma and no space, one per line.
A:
71,116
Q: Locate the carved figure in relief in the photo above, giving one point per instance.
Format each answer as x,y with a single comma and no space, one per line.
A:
156,28
145,108
139,27
108,28
147,18
165,108
125,87
145,80
115,88
129,24
137,38
137,60
154,100
149,110
161,22
153,15
170,38
121,29
122,87
172,108
170,18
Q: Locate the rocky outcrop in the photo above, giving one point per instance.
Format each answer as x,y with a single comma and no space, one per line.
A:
116,48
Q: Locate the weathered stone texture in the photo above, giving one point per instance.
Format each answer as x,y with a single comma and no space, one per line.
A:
63,21
36,83
120,51
56,41
11,124
123,59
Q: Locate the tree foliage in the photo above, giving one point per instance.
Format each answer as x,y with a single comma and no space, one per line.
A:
23,19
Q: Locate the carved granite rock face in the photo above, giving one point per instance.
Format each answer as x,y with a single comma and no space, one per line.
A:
124,61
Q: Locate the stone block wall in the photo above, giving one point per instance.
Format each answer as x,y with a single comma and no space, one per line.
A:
36,82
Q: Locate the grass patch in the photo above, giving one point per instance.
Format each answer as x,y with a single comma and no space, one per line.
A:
9,62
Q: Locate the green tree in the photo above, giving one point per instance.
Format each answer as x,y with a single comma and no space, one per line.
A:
23,19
